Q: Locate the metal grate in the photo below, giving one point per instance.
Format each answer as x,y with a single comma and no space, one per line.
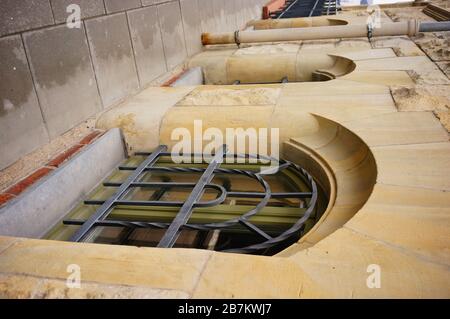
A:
181,220
307,8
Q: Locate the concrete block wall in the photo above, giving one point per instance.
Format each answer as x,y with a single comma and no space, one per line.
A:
53,77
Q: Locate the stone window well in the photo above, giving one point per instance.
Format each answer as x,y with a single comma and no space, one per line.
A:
261,64
210,204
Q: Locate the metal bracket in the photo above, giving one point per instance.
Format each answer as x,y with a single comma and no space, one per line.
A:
369,32
236,38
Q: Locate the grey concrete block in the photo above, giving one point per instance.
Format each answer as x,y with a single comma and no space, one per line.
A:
152,2
192,26
241,20
113,58
63,75
22,127
88,8
207,16
172,33
39,208
219,15
121,5
147,43
20,15
191,77
230,15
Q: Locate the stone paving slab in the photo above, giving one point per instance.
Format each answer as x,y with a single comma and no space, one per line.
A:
416,165
419,211
177,269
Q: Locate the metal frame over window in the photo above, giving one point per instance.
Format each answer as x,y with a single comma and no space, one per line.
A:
181,221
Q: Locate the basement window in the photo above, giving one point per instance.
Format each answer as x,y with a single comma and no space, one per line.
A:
153,201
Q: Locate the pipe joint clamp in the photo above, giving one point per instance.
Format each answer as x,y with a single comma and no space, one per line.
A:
236,38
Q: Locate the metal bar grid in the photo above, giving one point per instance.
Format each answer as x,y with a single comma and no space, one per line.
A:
108,204
180,222
172,233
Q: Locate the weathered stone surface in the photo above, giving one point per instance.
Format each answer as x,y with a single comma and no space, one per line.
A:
147,44
213,65
221,118
88,8
435,45
402,46
420,68
22,127
360,43
138,120
17,287
268,49
64,78
340,263
421,97
177,269
399,128
380,77
18,16
261,69
444,117
406,13
349,100
121,5
445,67
353,169
240,276
172,33
338,113
29,287
416,165
191,25
113,57
6,242
332,88
358,54
241,95
421,214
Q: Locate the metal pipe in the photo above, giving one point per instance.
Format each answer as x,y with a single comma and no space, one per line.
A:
434,26
320,21
409,27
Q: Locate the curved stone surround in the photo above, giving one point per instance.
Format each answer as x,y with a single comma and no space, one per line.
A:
269,64
389,169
